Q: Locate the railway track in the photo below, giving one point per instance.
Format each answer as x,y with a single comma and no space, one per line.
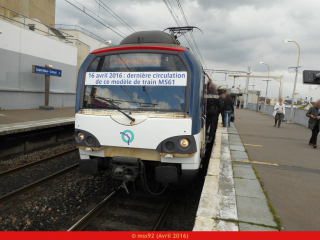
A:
121,212
16,193
33,164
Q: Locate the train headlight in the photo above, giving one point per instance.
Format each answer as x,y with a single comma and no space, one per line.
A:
184,142
80,136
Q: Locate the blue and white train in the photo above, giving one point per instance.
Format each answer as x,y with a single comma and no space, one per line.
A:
140,111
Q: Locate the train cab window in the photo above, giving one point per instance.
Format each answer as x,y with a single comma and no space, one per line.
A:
140,96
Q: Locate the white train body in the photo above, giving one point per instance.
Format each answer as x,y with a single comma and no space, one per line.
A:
160,126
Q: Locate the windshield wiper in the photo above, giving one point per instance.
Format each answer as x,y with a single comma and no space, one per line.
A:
118,108
139,103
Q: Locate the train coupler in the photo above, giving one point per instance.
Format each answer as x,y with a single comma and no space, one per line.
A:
125,168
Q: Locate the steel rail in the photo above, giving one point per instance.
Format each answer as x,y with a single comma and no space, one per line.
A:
43,160
164,214
32,186
93,213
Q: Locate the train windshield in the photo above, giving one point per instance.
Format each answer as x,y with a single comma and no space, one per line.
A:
136,81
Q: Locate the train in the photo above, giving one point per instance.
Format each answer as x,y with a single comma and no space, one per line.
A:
140,112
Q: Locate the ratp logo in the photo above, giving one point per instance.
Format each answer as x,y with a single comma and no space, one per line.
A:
127,136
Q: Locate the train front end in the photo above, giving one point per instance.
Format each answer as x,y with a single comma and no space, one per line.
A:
138,113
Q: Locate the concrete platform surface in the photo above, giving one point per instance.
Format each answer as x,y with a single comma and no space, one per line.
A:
251,227
26,115
294,194
232,198
254,210
16,121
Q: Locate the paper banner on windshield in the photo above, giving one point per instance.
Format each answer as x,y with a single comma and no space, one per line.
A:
137,78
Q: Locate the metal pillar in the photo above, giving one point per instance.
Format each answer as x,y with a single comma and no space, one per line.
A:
293,95
254,103
247,88
46,90
281,86
295,81
46,93
265,99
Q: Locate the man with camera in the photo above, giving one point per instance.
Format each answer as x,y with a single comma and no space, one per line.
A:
314,115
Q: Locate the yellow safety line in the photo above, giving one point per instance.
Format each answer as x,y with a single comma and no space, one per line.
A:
264,163
253,145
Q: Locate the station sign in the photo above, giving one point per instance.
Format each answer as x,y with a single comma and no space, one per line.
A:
46,71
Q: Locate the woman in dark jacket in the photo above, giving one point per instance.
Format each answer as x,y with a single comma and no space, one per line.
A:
314,115
228,110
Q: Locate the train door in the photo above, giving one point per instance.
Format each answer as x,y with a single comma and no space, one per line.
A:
203,113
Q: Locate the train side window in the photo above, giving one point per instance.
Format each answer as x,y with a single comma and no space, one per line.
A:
94,65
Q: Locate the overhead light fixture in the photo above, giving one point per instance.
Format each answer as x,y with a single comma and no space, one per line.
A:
106,42
288,40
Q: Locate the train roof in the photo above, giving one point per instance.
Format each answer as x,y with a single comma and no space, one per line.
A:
156,40
146,46
149,37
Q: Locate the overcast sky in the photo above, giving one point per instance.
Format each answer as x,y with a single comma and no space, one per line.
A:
236,33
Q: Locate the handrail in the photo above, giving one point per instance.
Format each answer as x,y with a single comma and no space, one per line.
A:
66,35
82,30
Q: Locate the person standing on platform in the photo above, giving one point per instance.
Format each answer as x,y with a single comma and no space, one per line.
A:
314,115
228,110
242,103
279,113
238,104
222,94
214,106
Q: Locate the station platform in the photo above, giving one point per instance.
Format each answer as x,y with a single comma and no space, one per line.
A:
288,167
261,178
232,198
16,121
23,131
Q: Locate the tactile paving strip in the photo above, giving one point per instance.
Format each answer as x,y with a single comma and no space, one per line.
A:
254,210
232,130
234,136
239,155
248,188
237,148
241,171
251,227
235,142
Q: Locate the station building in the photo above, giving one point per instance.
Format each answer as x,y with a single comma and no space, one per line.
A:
239,95
313,93
29,36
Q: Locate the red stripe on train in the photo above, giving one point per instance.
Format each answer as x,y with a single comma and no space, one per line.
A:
175,49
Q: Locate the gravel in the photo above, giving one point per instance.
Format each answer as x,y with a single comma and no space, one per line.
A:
33,174
56,205
23,159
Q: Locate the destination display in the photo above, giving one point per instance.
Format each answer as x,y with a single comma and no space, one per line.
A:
137,78
135,60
